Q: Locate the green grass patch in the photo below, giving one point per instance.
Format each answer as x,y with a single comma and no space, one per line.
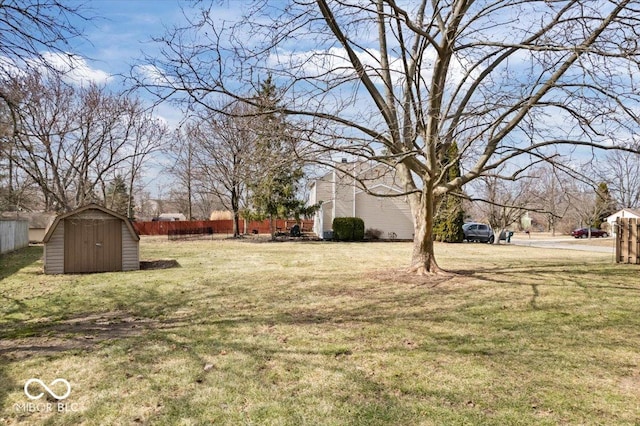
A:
325,333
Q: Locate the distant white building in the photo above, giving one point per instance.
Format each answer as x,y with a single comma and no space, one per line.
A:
171,217
342,195
622,214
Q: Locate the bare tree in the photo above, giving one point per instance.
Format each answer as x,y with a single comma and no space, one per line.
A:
70,141
31,29
621,171
146,135
226,149
510,82
183,167
551,194
590,206
504,202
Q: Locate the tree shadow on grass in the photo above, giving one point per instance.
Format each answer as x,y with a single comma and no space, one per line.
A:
85,331
10,263
598,278
6,384
205,332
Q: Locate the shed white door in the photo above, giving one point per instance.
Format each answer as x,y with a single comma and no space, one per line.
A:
92,245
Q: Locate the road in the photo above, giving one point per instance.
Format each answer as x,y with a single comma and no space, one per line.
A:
567,243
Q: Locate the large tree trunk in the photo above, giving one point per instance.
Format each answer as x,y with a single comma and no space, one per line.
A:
272,225
236,224
423,260
236,213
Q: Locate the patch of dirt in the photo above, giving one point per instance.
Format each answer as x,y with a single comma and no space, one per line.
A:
159,264
401,276
78,333
631,384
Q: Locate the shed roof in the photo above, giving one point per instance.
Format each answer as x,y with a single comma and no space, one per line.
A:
92,206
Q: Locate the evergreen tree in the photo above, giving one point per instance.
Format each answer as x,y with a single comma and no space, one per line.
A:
449,216
275,190
117,197
605,205
276,196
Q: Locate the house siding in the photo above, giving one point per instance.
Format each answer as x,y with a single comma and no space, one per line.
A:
391,215
343,196
323,193
54,251
621,214
327,217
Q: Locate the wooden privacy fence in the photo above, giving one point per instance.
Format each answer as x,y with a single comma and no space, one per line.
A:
184,227
14,234
627,241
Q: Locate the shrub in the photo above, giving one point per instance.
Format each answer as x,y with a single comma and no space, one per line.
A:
372,234
348,229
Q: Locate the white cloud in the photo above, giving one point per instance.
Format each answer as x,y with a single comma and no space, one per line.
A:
75,68
153,75
334,63
9,68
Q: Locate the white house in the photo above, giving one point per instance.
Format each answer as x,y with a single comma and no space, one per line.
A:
341,194
170,217
622,214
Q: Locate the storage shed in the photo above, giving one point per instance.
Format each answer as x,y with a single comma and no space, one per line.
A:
91,239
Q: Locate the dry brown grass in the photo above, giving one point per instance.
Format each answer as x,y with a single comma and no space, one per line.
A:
327,333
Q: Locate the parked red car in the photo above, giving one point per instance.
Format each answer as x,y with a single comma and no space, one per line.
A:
584,233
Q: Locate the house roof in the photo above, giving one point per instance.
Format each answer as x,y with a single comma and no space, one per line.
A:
36,219
92,206
621,213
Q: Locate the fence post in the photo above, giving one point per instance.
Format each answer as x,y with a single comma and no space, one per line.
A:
618,229
633,241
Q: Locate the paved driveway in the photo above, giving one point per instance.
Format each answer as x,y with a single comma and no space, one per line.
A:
567,243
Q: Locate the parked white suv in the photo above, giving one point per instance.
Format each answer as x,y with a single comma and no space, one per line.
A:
478,232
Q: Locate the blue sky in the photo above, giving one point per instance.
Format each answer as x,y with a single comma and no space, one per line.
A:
117,35
119,31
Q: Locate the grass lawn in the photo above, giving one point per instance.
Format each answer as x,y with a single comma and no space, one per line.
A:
324,333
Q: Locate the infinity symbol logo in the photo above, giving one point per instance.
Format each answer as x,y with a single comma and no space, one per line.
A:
49,391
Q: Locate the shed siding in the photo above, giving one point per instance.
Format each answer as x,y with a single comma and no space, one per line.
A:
130,251
54,248
92,214
54,251
389,215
